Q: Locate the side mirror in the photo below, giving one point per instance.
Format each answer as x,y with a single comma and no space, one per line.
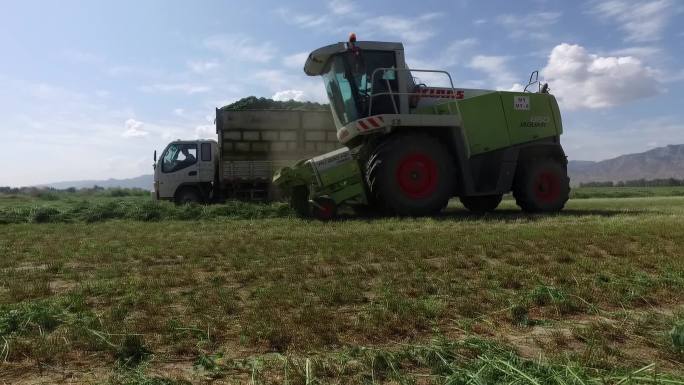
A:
534,79
155,156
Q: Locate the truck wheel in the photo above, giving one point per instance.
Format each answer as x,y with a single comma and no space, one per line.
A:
299,201
411,175
481,204
326,209
542,186
188,195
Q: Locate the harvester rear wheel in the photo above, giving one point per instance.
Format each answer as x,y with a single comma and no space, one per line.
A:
542,186
481,204
411,175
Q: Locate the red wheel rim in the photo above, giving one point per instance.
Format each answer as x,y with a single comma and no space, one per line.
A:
417,175
327,210
547,187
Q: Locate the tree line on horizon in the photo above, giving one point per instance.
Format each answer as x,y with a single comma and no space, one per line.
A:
664,182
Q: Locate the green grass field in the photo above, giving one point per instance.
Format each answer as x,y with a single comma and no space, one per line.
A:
116,290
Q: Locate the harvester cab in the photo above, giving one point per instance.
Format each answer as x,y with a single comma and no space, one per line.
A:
410,147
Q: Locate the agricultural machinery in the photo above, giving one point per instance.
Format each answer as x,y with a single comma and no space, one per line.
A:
410,146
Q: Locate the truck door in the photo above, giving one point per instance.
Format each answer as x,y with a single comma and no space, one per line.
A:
207,162
179,165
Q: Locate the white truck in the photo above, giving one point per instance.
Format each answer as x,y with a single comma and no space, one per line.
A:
251,145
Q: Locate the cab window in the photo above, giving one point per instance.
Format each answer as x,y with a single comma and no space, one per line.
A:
206,152
179,156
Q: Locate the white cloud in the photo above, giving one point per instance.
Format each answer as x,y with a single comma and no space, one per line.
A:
410,30
638,51
529,26
241,47
296,60
289,84
516,87
81,57
584,80
343,19
134,129
496,68
457,50
303,20
674,76
341,7
456,53
642,22
531,20
286,95
205,131
186,88
135,70
200,66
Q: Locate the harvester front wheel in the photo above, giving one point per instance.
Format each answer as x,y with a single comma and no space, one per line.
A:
324,209
481,204
411,175
542,186
299,201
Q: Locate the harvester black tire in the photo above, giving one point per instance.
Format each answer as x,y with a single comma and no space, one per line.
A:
481,204
411,175
541,186
188,195
299,201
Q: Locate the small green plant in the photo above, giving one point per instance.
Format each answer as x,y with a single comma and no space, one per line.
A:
147,211
132,350
24,317
520,315
552,296
44,215
214,365
125,375
101,212
47,196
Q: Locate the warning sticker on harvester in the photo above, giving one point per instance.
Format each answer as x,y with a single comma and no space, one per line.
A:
332,159
521,103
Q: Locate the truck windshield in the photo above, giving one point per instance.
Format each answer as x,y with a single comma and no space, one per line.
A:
347,82
179,156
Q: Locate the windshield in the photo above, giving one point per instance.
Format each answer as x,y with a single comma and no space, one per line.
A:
347,82
340,92
179,156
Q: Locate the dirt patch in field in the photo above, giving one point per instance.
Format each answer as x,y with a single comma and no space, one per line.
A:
59,286
612,333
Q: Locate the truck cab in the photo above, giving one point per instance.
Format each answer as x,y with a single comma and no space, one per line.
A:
186,171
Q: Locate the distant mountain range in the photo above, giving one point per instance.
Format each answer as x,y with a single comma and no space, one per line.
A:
142,182
658,163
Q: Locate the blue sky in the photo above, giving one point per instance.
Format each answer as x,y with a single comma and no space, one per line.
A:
89,89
